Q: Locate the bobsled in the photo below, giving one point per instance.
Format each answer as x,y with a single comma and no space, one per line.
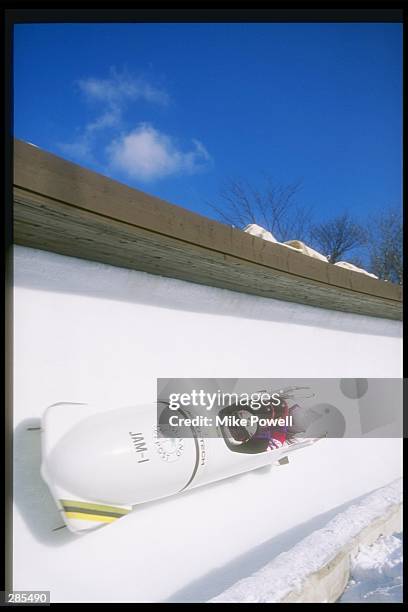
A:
99,464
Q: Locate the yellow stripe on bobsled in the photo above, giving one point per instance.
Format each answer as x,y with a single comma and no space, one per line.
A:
87,511
69,503
91,517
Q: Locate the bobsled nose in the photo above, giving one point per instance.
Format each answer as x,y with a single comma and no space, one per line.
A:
111,459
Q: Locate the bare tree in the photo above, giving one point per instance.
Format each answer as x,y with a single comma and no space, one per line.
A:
337,237
385,246
274,208
376,246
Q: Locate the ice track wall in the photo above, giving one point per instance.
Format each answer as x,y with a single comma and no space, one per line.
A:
95,333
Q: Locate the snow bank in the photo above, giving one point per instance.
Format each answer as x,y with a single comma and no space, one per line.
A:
317,568
295,245
376,573
260,232
349,266
301,247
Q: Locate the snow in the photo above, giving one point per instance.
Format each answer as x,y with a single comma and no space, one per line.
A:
295,245
289,570
376,573
260,232
88,332
350,266
301,247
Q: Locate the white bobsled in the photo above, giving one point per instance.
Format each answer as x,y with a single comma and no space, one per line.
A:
100,464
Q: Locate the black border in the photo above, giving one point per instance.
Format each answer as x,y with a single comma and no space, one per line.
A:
126,15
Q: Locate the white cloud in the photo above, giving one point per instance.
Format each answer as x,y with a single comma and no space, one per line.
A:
113,94
147,154
110,118
79,149
121,87
144,153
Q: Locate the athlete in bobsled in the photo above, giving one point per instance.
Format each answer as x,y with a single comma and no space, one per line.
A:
258,438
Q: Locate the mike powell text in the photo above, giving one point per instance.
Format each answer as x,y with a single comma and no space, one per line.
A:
177,420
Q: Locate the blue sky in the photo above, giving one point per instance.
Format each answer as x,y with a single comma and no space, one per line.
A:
176,109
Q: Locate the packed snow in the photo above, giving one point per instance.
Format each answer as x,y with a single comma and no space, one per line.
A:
376,573
290,569
89,332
